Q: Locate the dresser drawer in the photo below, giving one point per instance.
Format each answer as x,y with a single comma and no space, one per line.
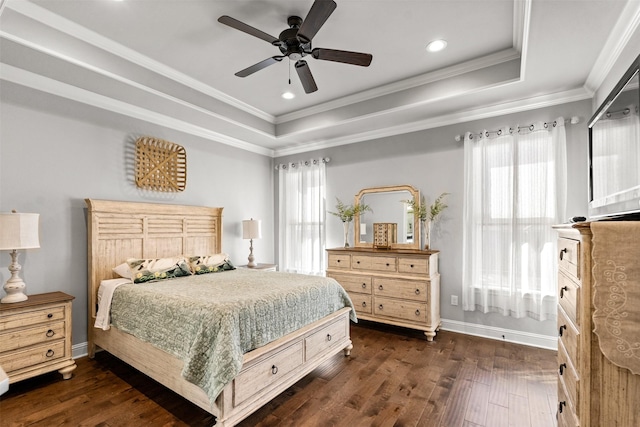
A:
568,335
33,356
361,284
20,338
361,302
413,290
569,297
375,263
32,317
413,265
405,310
569,257
569,377
257,377
325,338
340,261
566,414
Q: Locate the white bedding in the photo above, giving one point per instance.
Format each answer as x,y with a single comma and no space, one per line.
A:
105,295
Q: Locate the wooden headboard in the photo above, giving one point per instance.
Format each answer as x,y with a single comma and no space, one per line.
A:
121,230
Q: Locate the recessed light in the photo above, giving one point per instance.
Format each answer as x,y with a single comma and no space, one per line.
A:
288,95
436,45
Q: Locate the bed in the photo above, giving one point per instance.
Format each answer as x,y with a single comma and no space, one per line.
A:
118,231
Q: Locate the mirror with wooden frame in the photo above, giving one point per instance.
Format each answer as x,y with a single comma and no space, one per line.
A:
387,205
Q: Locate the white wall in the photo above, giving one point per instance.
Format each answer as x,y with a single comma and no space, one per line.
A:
56,153
433,162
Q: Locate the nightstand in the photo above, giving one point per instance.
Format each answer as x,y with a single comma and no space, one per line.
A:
263,267
35,336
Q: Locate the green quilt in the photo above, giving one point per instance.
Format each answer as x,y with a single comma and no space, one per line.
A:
209,321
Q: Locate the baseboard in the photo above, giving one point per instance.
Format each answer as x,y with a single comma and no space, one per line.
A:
501,334
80,350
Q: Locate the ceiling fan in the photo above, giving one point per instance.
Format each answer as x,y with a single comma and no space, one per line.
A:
295,43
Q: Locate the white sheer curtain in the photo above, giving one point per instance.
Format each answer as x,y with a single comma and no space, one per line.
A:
302,217
514,191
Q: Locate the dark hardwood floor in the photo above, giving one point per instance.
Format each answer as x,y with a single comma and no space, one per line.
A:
394,377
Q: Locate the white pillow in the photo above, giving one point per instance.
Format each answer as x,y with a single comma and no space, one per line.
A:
123,270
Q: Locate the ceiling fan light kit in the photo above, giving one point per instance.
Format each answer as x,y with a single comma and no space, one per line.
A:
295,43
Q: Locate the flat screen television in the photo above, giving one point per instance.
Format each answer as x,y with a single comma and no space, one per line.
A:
614,151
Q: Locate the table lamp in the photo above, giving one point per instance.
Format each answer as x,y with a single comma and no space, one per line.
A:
251,229
17,231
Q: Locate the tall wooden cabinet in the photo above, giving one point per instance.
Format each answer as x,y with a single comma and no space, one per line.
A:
394,286
592,391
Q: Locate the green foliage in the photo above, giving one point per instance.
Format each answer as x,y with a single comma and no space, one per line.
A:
346,213
431,212
419,208
437,207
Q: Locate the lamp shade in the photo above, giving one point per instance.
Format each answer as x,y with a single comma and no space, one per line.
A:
19,230
251,229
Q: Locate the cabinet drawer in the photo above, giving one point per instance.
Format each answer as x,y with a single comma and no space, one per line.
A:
340,261
361,302
413,265
32,317
568,257
259,376
361,284
20,338
566,413
568,376
324,339
568,335
377,263
32,356
405,289
569,297
405,310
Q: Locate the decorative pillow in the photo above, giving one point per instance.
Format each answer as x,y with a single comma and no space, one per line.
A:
210,263
122,270
145,270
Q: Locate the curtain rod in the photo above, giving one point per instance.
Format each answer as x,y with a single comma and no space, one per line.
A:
303,163
573,120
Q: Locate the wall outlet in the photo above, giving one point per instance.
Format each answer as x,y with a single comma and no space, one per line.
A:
454,299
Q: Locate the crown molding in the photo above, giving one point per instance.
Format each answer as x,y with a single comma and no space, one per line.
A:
444,120
618,39
44,84
72,29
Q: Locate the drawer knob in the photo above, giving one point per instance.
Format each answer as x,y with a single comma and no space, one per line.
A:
357,262
380,287
561,406
50,333
562,328
562,252
328,337
380,306
411,265
563,290
274,369
50,353
417,312
338,261
364,304
563,366
387,264
50,315
364,286
417,291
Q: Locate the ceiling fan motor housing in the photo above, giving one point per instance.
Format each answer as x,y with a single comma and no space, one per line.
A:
290,45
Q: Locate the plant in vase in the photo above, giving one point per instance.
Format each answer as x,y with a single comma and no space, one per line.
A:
346,213
427,215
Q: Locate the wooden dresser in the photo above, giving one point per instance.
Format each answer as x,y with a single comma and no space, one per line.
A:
592,391
35,336
394,286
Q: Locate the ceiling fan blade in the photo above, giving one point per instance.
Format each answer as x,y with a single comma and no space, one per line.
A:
354,58
304,72
317,16
234,23
259,66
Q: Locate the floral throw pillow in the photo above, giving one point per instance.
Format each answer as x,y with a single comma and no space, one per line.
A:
146,270
210,263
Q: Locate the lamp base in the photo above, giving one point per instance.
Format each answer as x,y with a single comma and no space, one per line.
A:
14,286
252,260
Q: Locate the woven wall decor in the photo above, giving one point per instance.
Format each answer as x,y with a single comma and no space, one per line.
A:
160,165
